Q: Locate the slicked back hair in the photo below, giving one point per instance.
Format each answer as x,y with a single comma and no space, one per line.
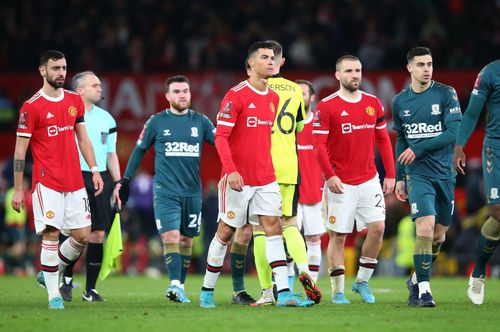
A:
50,55
417,51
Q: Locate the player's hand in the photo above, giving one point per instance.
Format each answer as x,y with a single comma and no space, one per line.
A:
388,185
401,191
123,191
459,159
235,181
115,197
335,185
407,157
98,183
18,200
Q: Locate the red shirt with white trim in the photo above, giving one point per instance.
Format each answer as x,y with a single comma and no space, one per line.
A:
311,178
345,133
243,135
50,125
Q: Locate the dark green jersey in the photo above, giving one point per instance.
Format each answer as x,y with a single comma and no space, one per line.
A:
486,91
421,119
178,141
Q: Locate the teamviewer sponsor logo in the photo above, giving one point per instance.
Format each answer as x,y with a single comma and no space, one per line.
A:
52,131
251,121
346,128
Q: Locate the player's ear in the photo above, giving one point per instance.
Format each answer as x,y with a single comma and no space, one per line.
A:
282,62
337,75
408,67
42,71
313,98
167,96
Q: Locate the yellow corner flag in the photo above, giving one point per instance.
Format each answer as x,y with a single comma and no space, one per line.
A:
113,248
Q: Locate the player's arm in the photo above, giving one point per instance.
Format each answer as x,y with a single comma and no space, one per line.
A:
321,131
209,135
476,103
88,154
384,146
22,144
146,139
401,146
226,119
301,113
112,162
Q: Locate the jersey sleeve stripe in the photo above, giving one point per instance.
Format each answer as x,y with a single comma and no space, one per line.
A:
323,132
382,118
382,126
225,123
24,134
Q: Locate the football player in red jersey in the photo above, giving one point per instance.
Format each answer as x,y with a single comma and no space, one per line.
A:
347,125
48,122
248,186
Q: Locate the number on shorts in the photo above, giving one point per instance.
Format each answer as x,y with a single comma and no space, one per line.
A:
283,114
87,204
379,203
194,223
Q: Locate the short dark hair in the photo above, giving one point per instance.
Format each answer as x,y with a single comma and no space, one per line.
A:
176,79
309,84
50,55
417,51
277,48
77,79
344,57
255,47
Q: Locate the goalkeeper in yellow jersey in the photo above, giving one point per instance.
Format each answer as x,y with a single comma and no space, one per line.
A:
289,120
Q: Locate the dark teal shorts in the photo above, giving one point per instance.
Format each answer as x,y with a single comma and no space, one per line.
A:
431,197
177,213
491,173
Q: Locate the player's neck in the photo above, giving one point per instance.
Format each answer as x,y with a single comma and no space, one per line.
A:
51,91
177,112
259,83
88,106
418,87
348,94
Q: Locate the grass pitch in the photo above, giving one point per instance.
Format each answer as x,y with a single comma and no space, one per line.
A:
139,304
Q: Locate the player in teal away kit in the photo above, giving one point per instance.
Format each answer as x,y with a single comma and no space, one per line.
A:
426,117
177,134
486,90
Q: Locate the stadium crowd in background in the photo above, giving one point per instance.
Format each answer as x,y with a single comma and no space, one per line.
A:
109,35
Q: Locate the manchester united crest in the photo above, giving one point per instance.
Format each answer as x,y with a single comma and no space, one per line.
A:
50,214
370,111
332,220
72,111
272,108
230,215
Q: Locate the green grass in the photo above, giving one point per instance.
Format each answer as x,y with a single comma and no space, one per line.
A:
139,304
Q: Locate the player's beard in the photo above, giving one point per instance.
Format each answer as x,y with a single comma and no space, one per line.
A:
55,84
351,86
180,107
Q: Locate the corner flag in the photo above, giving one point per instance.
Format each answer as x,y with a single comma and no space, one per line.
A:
113,248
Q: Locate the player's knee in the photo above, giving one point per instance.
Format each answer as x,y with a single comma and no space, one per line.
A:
491,229
338,238
313,238
224,231
377,229
96,237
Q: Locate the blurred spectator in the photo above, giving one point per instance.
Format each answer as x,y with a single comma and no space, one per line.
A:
151,35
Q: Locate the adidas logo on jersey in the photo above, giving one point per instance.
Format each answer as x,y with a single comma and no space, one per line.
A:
50,115
344,113
252,105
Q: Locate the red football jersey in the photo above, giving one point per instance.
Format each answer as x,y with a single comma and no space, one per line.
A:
50,124
243,135
349,130
311,178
